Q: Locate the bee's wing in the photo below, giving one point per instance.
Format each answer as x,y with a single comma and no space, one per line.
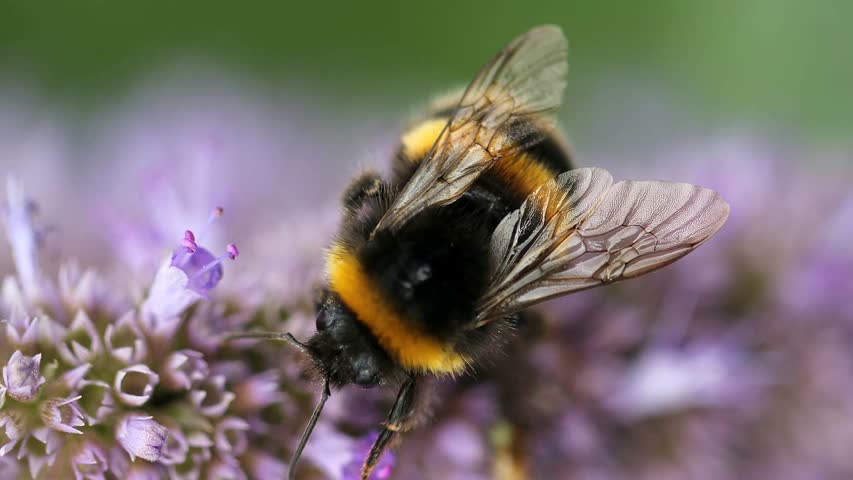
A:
520,87
579,231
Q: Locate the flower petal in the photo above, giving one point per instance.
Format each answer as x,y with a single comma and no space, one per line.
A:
124,341
134,385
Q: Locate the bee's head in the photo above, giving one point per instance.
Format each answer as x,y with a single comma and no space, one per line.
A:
343,349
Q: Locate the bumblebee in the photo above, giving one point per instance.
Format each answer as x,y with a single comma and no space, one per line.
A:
482,216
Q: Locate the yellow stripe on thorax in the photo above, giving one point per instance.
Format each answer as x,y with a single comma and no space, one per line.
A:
522,173
413,349
418,141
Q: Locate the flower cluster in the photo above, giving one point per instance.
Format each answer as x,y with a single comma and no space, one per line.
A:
101,385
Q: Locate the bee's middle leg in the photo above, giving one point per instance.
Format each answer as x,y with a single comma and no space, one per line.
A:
396,422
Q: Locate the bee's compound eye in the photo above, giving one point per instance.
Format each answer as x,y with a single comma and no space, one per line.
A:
324,320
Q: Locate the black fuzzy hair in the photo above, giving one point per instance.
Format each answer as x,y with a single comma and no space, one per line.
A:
434,269
343,349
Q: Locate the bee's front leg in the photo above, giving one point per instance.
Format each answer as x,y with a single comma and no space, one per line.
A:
396,422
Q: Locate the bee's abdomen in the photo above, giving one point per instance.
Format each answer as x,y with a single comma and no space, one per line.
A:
512,179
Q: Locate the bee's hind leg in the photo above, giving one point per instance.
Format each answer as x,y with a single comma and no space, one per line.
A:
396,422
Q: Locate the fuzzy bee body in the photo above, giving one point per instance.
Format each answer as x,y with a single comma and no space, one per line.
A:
482,217
416,289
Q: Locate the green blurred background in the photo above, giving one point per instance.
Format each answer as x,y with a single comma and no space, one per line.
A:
781,65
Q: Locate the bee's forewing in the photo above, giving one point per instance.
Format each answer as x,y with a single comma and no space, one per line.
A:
579,231
525,81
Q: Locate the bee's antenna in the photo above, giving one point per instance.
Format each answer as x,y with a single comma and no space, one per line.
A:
279,337
291,470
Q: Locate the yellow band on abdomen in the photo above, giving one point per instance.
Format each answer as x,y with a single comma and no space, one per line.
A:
414,350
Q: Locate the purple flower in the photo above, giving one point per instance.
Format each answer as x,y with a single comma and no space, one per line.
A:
360,449
462,445
124,341
85,354
202,269
189,455
332,451
168,297
90,462
86,290
62,414
22,331
210,325
143,471
12,431
119,461
141,437
24,239
22,377
175,450
134,385
190,275
97,401
664,380
263,465
210,397
184,368
226,468
820,280
258,391
75,378
83,341
230,436
40,448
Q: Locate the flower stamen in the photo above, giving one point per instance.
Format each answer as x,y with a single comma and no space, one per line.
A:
189,242
231,253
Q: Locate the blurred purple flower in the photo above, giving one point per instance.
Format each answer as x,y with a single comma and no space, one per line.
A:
90,462
24,238
141,437
230,436
12,425
184,368
83,341
667,380
86,359
258,391
360,449
210,397
263,465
